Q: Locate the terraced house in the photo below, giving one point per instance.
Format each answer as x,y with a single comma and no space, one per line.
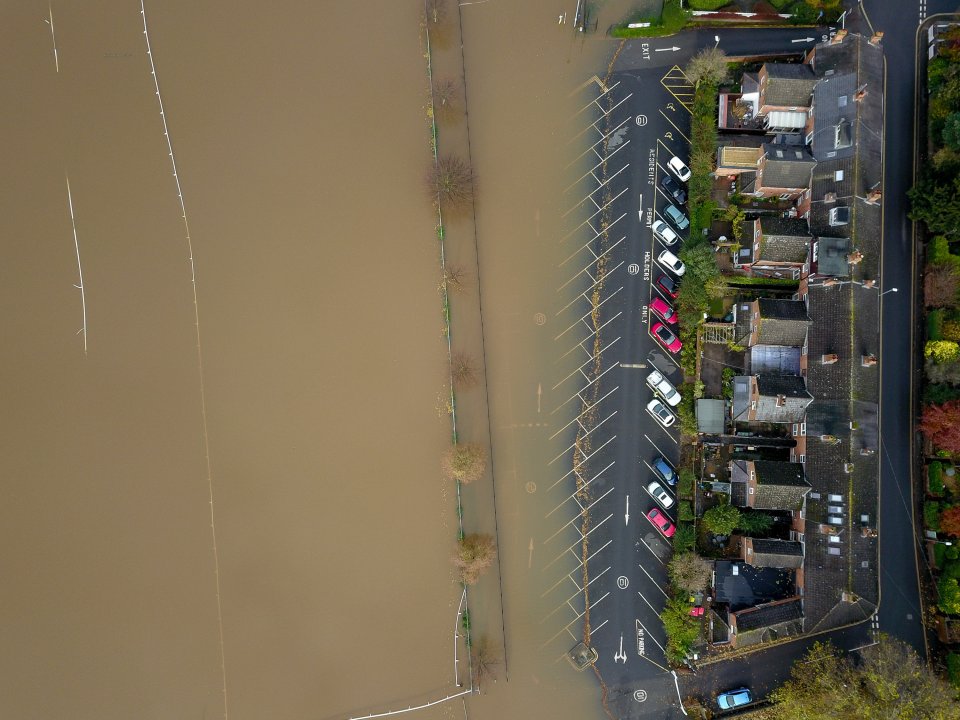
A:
808,395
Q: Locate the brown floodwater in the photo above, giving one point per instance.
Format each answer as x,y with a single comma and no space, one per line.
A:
307,404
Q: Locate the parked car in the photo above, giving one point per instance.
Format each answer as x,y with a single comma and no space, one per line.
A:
665,470
678,168
661,412
672,263
663,310
676,216
664,388
668,285
661,522
666,338
665,233
674,190
658,493
734,698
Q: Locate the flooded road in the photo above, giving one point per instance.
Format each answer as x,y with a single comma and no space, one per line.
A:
306,403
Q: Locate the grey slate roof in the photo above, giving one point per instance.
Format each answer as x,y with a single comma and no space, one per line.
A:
789,85
780,485
782,398
783,322
786,166
774,553
742,586
775,359
769,615
783,239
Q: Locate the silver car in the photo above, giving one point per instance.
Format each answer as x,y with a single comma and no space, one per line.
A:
676,216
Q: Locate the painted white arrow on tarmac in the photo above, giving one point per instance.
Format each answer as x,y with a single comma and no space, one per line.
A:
803,40
671,49
626,515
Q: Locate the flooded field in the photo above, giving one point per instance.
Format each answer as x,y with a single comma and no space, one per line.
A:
245,517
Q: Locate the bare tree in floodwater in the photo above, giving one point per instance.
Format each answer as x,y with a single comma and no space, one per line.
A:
455,278
463,370
475,554
446,99
436,11
486,658
450,180
464,462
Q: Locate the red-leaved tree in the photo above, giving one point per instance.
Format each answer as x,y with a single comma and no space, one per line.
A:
941,425
940,286
950,521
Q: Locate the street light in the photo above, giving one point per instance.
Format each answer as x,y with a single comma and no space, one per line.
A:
717,38
886,291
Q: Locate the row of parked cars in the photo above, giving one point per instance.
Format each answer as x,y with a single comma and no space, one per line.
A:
669,284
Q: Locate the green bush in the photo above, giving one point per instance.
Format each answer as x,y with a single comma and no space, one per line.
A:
953,669
685,513
949,593
671,21
952,553
938,252
935,325
685,484
951,568
803,14
721,519
681,629
744,281
684,538
707,4
939,554
781,5
686,412
939,393
931,514
935,478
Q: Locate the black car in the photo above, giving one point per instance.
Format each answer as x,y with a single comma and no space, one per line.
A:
673,189
670,286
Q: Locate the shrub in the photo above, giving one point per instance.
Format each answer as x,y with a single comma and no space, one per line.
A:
935,325
949,596
685,484
707,4
721,519
681,629
941,351
755,522
949,329
689,572
939,393
935,478
475,554
931,514
685,513
686,412
939,554
953,669
950,520
743,281
938,252
952,552
684,538
951,568
464,462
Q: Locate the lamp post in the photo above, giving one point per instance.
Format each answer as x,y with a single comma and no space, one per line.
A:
717,39
888,291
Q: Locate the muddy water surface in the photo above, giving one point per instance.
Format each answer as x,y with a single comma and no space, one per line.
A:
300,140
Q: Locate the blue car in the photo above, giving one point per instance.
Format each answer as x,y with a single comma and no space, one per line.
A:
734,699
665,470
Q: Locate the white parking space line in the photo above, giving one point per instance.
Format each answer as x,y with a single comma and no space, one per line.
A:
662,453
599,210
662,591
650,634
570,574
599,164
577,393
655,556
577,517
674,125
581,319
587,433
589,532
586,484
609,89
567,601
595,190
584,411
644,598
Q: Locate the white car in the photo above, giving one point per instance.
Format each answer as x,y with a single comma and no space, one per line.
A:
672,263
664,388
665,232
661,413
678,168
658,493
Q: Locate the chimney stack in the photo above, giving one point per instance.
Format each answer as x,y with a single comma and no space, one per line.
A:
829,359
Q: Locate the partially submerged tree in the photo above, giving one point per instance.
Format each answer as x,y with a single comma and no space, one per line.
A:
436,10
486,657
455,278
465,462
475,554
887,681
464,370
688,571
709,66
446,98
451,181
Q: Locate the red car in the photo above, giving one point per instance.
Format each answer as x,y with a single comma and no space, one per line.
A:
664,311
668,286
666,338
661,522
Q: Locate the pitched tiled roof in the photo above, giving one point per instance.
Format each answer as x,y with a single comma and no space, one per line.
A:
783,239
783,322
774,553
789,85
769,615
786,166
782,398
780,485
